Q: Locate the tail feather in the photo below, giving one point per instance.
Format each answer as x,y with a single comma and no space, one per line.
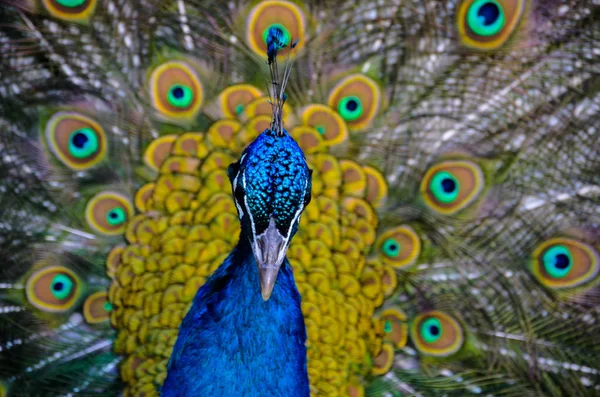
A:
467,265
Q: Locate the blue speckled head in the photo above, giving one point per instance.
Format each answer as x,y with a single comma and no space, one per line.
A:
271,185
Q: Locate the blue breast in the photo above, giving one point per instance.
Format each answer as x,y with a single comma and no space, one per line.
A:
232,343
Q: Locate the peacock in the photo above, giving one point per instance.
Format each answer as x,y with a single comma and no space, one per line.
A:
229,342
437,164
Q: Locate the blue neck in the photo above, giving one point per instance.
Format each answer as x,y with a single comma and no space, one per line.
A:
232,343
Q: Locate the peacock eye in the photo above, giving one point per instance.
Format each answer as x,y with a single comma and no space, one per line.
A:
431,330
563,263
391,248
176,90
61,286
557,261
76,140
70,3
97,308
276,23
350,108
71,10
400,246
450,186
387,326
436,334
116,216
488,24
53,289
486,17
357,100
83,143
180,96
107,213
444,187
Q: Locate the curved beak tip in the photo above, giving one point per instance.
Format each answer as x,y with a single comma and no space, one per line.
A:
265,295
268,276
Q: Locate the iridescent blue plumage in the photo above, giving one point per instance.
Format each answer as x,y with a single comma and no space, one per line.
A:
233,341
244,334
280,179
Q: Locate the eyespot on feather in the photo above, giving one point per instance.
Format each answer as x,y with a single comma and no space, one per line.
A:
395,327
327,122
284,15
107,213
233,99
176,90
96,308
53,289
560,263
357,99
451,186
76,140
399,247
435,333
487,24
71,10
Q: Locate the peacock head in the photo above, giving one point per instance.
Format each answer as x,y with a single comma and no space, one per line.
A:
271,186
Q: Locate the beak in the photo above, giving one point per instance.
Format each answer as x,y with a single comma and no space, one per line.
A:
269,251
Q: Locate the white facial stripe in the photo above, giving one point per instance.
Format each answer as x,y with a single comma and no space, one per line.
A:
249,212
295,219
239,208
235,180
238,173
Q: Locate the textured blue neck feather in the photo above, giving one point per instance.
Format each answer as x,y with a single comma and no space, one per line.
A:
232,343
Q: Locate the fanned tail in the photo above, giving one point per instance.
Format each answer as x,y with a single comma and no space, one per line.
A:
452,244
